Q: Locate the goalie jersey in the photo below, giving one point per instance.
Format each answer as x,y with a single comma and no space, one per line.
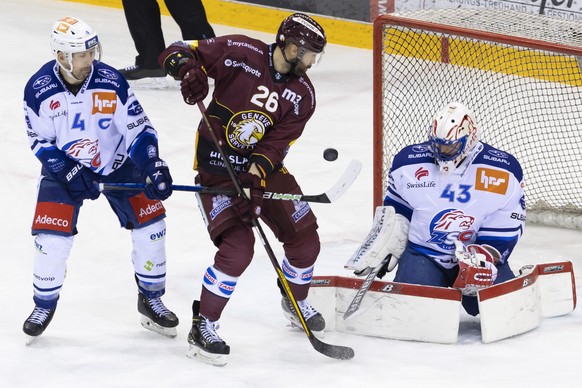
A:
99,127
481,201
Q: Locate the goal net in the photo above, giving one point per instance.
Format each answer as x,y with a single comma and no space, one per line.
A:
520,75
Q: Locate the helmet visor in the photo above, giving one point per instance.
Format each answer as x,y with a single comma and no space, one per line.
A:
308,57
446,150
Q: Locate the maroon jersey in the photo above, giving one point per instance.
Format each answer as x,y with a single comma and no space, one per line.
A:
258,112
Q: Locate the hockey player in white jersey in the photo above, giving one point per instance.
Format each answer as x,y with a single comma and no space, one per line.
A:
86,126
453,212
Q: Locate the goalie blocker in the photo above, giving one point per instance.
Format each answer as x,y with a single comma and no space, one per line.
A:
432,314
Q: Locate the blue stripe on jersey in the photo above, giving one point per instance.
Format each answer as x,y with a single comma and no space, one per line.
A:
426,251
400,206
496,158
514,229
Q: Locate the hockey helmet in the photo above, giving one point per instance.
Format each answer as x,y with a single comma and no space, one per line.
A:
452,135
302,30
71,35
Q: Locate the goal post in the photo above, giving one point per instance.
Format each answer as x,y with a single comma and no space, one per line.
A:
520,75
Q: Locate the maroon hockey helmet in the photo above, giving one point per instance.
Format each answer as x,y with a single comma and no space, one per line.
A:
303,31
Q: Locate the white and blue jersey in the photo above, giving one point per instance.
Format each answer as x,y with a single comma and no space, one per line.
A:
99,127
481,202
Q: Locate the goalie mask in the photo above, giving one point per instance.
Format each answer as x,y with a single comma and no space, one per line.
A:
71,35
304,32
452,136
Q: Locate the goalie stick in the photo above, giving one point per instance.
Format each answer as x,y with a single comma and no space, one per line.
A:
333,351
355,303
329,196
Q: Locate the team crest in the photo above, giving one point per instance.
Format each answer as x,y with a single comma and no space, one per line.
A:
245,129
450,225
84,150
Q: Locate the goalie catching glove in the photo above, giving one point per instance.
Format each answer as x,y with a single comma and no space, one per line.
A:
388,237
477,268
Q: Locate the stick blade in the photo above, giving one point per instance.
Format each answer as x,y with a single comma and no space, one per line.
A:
345,181
337,352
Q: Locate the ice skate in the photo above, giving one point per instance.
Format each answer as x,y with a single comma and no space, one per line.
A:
313,318
205,344
37,323
156,317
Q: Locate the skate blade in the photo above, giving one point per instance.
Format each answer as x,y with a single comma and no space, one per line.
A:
170,332
206,357
31,339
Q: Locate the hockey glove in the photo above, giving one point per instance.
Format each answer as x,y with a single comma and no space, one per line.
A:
158,179
80,181
254,188
174,57
194,85
476,268
387,267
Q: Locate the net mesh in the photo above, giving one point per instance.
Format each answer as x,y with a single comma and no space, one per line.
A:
526,100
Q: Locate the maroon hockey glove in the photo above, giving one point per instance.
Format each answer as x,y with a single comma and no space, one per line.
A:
254,187
194,85
174,57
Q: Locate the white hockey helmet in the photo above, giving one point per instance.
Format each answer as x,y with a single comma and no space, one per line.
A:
71,35
452,135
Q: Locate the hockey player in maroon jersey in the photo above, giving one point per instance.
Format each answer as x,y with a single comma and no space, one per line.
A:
261,103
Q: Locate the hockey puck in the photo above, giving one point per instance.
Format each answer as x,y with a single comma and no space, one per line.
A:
330,154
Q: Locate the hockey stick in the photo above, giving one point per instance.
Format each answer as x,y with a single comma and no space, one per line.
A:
333,351
355,304
331,195
141,186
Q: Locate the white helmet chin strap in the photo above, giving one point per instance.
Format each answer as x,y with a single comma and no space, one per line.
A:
69,72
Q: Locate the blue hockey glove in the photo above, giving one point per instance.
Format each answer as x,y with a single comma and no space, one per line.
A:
158,179
80,182
254,187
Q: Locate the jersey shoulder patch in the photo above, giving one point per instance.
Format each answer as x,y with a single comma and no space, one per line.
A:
500,159
108,78
42,85
413,154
